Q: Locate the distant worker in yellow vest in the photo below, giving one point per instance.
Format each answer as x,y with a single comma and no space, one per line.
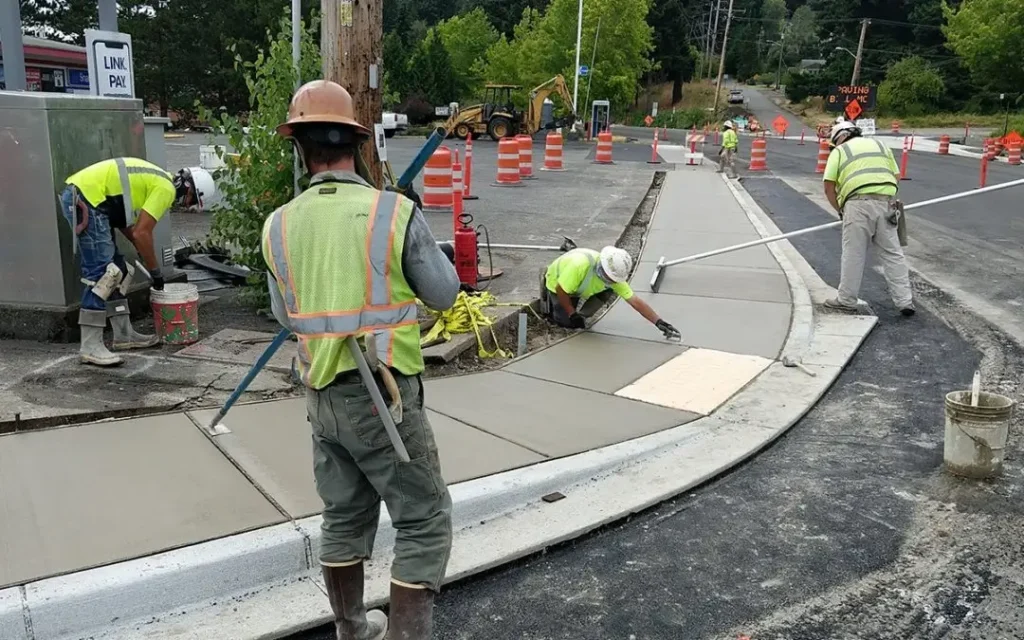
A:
861,182
727,154
130,195
348,260
581,281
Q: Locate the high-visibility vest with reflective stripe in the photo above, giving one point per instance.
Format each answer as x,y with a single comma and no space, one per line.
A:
131,178
336,253
864,163
593,257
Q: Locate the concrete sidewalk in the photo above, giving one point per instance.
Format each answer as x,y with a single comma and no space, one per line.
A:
115,491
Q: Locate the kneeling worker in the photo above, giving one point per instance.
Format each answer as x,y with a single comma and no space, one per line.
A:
581,281
130,195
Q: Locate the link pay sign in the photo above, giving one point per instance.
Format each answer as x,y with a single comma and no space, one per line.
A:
111,72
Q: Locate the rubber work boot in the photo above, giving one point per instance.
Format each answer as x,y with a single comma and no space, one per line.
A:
412,613
834,303
351,619
125,337
92,350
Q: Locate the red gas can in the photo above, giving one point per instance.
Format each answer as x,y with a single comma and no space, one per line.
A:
466,263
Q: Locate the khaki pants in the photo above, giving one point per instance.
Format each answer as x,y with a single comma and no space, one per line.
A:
727,158
865,222
355,467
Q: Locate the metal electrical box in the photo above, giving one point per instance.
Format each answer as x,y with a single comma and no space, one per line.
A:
44,138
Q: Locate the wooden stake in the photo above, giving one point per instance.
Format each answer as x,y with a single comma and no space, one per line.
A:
351,42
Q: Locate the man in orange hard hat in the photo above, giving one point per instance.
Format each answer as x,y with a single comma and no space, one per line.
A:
349,261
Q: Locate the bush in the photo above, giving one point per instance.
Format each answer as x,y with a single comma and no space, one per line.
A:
262,180
801,86
682,119
912,87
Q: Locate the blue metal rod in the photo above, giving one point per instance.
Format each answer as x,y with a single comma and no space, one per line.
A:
420,161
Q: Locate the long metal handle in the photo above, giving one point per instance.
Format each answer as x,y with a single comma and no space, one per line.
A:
261,362
378,399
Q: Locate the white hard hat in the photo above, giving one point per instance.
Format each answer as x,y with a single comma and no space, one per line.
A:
616,263
729,124
842,127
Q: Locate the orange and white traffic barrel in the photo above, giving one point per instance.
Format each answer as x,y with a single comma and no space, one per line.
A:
759,155
553,153
943,145
604,148
437,181
467,187
1014,151
823,153
525,156
508,163
895,127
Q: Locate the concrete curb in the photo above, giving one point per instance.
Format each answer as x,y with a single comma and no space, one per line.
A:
265,583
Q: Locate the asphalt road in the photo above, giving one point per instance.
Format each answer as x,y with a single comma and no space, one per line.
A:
845,528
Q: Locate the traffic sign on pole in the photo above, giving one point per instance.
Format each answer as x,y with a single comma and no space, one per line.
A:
584,71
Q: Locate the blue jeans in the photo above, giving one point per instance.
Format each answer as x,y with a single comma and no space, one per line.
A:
96,248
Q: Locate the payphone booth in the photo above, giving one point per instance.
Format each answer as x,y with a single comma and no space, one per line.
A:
600,117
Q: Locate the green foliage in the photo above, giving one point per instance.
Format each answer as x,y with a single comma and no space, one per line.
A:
467,38
431,71
989,36
261,180
911,87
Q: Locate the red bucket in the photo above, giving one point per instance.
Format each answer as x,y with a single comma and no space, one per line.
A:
176,313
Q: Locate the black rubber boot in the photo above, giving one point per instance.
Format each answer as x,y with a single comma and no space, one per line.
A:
412,613
351,620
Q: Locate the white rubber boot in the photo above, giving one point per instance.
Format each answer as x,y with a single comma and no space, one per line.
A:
125,336
92,350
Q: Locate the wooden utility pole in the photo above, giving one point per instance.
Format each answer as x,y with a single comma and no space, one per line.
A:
714,38
351,42
860,51
721,61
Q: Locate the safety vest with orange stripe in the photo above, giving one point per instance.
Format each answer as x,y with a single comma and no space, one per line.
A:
336,254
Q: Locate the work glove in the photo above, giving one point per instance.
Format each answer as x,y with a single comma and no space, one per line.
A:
409,192
576,321
670,332
158,280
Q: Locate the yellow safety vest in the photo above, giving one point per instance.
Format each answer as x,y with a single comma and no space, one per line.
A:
584,291
336,253
865,167
139,182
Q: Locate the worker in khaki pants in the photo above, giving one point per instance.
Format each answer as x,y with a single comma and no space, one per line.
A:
861,181
730,144
348,261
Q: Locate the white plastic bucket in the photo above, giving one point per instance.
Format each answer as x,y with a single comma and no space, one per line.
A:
176,313
976,436
208,158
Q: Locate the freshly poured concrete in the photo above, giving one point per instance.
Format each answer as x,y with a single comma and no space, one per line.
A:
272,442
709,281
93,494
699,380
736,326
596,361
468,453
546,417
681,243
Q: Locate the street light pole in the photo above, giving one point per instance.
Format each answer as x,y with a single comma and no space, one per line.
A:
576,71
782,50
714,38
721,61
14,51
108,15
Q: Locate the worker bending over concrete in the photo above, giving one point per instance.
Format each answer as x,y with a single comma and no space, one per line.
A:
730,144
349,261
861,181
581,281
130,195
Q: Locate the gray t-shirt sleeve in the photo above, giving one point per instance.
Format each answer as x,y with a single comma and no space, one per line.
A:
426,268
277,306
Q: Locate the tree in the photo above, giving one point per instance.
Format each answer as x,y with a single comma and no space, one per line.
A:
505,14
912,87
773,18
467,38
673,52
431,75
989,36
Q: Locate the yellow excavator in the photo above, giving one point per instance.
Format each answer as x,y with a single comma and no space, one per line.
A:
498,117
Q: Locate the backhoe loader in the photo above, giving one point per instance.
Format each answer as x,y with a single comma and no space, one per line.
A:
498,117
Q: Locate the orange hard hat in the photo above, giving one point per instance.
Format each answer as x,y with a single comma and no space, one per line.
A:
321,102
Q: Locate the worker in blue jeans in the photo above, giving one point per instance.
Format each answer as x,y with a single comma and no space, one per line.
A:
131,195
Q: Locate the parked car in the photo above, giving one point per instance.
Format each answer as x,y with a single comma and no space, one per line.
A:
736,97
394,123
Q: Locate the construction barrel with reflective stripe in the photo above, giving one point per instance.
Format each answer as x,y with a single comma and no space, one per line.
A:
141,184
862,166
336,254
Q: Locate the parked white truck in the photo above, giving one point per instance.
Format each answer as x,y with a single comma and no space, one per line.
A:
394,123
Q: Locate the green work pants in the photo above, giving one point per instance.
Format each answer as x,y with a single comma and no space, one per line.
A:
355,467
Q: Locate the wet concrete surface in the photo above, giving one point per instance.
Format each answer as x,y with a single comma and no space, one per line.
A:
846,528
